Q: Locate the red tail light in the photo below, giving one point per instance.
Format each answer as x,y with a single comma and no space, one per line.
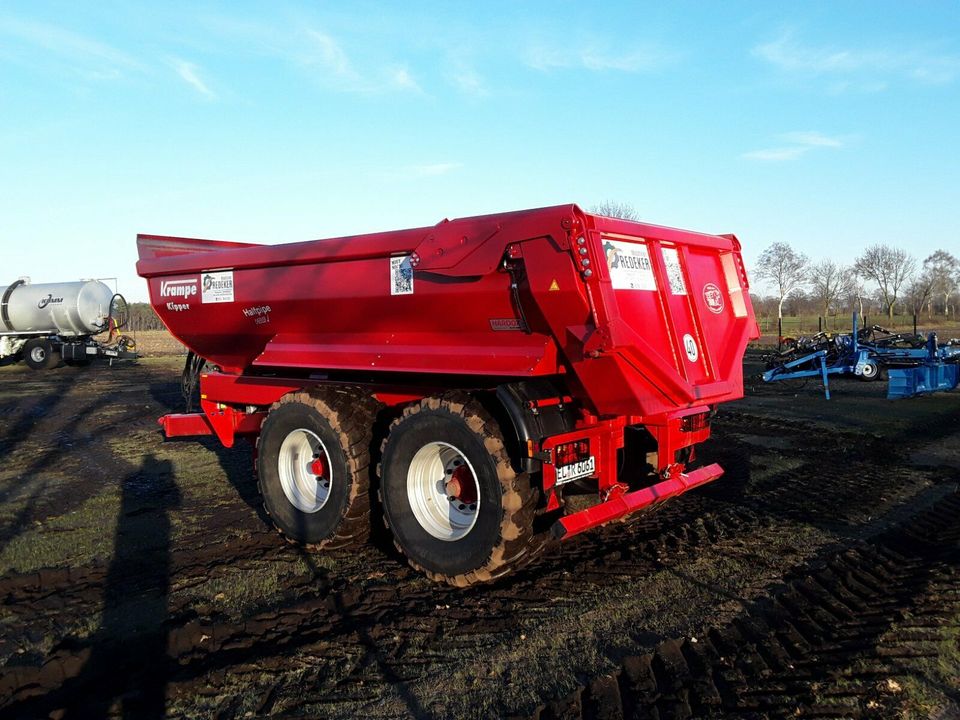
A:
571,452
692,423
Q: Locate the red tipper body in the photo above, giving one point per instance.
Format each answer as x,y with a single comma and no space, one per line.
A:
633,325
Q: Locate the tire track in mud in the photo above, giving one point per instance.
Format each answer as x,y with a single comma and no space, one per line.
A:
333,611
821,646
398,613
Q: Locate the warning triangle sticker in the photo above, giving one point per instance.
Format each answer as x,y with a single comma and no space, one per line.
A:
554,286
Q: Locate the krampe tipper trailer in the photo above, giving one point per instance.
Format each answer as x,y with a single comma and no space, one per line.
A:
485,383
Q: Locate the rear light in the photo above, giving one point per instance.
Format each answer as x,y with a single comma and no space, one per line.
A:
571,452
693,423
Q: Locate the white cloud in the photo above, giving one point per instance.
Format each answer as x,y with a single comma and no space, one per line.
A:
918,64
339,72
401,79
812,138
92,59
780,154
469,82
541,57
331,57
188,72
800,143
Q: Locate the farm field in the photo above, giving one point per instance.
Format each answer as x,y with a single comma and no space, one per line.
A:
820,577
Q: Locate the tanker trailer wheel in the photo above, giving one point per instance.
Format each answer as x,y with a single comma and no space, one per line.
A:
313,463
456,508
40,355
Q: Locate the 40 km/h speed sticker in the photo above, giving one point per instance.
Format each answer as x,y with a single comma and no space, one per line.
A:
690,345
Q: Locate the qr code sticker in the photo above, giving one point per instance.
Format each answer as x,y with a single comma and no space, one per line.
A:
671,258
401,276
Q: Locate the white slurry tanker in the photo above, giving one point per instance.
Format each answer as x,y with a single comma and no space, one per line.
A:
46,324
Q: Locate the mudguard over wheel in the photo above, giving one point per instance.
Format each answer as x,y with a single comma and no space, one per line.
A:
40,355
456,508
313,463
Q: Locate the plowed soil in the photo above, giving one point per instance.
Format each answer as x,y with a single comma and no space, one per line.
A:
820,577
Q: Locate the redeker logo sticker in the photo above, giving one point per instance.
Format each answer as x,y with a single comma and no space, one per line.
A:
713,298
629,265
216,287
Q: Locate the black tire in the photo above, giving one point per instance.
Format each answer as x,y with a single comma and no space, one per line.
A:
500,538
39,354
342,420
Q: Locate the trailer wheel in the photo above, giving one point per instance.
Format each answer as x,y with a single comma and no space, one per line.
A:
456,508
40,355
313,463
871,371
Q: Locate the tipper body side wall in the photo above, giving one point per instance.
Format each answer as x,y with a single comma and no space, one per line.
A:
648,319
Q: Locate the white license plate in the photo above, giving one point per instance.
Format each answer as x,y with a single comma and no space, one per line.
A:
577,470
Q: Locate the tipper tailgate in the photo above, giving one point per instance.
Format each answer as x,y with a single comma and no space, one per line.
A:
677,311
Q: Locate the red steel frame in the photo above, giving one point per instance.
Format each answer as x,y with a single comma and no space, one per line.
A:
220,394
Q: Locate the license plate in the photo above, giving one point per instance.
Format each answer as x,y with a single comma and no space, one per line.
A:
577,470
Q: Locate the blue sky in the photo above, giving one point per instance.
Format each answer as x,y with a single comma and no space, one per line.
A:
826,125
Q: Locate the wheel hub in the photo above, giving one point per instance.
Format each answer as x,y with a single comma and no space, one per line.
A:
443,491
304,468
319,467
461,489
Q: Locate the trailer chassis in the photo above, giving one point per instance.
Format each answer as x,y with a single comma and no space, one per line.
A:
234,406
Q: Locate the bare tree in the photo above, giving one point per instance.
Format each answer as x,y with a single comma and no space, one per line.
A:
784,267
829,282
944,270
889,268
857,289
612,208
919,291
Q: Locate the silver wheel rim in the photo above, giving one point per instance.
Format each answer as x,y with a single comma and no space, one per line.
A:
445,511
38,354
869,370
305,473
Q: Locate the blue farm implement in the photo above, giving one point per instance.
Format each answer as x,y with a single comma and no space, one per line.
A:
913,365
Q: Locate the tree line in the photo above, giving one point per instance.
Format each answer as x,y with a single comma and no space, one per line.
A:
142,317
883,277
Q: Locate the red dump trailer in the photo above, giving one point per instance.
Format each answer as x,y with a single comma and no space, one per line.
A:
484,383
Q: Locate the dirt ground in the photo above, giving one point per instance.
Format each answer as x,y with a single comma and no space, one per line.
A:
818,578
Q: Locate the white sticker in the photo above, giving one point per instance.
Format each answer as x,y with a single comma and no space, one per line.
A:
216,287
584,468
671,258
713,298
401,275
690,345
629,265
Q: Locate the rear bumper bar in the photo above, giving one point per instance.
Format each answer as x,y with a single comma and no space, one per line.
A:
623,505
225,424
